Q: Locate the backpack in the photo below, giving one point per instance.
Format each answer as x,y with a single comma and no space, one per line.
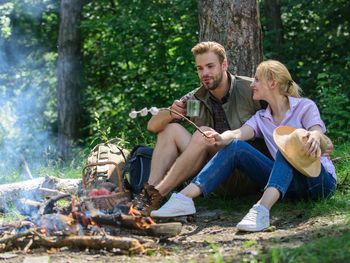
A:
137,168
104,168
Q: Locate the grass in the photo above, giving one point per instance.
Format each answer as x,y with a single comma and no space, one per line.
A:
325,249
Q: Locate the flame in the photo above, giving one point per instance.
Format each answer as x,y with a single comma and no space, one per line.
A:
139,221
150,220
133,211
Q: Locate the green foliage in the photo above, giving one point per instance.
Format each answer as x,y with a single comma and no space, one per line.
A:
334,105
136,54
316,36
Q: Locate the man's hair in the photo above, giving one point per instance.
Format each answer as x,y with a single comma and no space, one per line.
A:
204,47
274,70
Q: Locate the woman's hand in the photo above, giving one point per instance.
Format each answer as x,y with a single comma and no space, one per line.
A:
244,133
312,145
213,137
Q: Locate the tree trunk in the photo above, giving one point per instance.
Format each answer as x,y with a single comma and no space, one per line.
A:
274,21
69,76
236,25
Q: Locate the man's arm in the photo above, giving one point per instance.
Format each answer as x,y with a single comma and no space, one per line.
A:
321,140
158,122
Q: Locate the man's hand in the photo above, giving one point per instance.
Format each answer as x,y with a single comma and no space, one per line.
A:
180,107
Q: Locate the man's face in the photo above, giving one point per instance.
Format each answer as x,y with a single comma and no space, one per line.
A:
209,69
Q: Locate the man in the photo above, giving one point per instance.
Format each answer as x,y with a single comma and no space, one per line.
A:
225,103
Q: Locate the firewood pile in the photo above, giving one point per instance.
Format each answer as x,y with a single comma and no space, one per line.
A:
66,220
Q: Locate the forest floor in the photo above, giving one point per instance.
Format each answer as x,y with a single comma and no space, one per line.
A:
210,237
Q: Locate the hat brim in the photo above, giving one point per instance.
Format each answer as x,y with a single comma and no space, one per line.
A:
313,167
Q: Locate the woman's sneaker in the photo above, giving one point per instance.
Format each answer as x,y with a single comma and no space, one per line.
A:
257,219
177,205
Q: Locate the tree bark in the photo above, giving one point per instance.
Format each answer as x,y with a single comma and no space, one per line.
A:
69,76
236,25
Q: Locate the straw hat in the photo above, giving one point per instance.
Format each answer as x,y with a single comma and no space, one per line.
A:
290,142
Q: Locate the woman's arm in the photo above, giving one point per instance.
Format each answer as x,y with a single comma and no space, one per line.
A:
244,133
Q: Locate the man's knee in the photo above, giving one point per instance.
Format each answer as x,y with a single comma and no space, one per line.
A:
198,138
172,130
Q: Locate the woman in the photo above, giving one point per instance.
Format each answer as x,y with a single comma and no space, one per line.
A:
272,83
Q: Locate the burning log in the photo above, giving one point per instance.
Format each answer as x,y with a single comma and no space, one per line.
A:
49,206
125,244
151,228
57,224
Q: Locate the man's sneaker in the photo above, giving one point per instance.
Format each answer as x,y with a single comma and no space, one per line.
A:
177,205
257,219
147,200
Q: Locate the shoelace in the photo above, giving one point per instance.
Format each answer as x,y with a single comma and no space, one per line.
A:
252,215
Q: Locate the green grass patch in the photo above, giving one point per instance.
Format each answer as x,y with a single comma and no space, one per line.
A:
326,249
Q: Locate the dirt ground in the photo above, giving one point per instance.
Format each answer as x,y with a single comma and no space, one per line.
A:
211,234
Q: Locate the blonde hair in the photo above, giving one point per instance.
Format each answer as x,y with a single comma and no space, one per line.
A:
274,70
204,47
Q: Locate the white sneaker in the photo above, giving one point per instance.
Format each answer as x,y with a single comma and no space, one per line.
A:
257,219
177,205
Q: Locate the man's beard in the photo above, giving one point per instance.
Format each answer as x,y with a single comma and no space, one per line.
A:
216,81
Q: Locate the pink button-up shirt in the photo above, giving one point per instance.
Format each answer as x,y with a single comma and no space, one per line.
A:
303,113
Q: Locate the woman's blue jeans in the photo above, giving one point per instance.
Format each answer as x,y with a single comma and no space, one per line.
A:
264,172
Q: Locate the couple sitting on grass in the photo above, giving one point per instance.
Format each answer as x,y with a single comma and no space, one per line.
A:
297,171
234,125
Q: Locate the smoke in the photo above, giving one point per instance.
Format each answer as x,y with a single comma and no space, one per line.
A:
27,81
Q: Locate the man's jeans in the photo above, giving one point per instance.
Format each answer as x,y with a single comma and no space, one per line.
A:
264,172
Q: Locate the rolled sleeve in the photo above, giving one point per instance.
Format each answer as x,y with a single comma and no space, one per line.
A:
253,123
311,116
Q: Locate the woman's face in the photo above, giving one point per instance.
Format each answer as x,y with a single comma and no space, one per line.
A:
260,88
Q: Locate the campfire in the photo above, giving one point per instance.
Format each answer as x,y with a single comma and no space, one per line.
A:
94,222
